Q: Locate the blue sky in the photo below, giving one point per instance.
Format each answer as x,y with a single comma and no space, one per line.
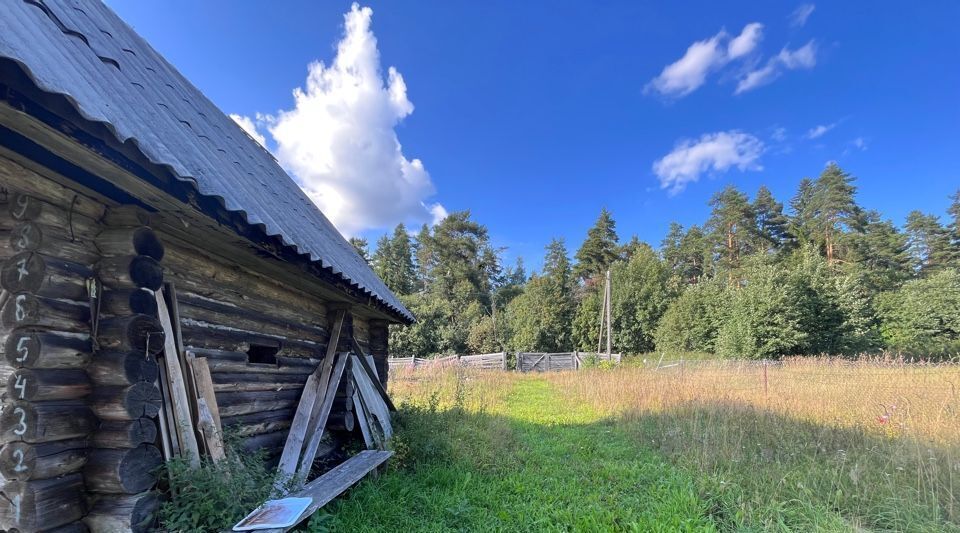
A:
534,115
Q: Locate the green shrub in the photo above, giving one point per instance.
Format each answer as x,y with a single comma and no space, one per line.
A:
923,316
215,496
691,323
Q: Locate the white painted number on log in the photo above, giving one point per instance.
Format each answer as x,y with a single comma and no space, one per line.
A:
22,270
18,455
23,349
24,241
15,501
22,203
22,426
20,313
21,385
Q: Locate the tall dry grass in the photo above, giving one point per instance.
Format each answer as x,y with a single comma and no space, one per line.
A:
873,443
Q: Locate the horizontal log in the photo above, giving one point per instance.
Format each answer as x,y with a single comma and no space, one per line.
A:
48,384
137,333
71,218
241,403
226,337
196,272
46,421
122,471
124,433
123,368
129,272
124,302
256,368
257,423
34,237
23,461
220,355
248,381
28,310
136,513
344,404
130,241
72,527
140,400
29,348
43,504
209,310
271,443
343,421
127,216
20,180
45,276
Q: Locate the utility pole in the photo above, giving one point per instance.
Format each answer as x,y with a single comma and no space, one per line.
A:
606,318
606,297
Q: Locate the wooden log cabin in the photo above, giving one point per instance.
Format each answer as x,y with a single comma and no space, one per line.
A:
118,178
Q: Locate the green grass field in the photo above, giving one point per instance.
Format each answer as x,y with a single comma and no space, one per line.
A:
608,451
532,467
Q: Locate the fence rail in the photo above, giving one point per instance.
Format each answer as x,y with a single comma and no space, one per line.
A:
522,361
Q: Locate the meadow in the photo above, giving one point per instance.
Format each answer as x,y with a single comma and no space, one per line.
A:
800,445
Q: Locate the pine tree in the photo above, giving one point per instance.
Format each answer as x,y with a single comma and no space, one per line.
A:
541,318
732,227
929,243
954,229
599,250
835,209
772,225
393,261
801,223
879,253
685,253
362,246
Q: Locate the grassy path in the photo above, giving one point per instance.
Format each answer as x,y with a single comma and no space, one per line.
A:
530,464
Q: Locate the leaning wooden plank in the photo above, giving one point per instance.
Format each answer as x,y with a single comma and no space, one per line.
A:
168,437
178,390
375,381
212,437
204,382
371,399
170,293
325,488
316,384
362,419
310,451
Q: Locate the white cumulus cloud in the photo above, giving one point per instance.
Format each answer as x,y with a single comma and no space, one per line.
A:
800,15
804,57
688,73
339,139
248,126
819,130
712,152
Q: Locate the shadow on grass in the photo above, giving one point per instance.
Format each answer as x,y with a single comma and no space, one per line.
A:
703,467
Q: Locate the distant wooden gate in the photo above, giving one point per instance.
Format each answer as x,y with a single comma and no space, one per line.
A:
549,362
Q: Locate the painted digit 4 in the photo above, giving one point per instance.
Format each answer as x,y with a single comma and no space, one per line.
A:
21,385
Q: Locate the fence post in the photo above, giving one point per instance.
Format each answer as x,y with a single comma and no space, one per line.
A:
766,388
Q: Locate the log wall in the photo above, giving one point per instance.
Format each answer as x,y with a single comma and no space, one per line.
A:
79,340
49,255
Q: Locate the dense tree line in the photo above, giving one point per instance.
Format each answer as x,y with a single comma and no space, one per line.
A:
756,279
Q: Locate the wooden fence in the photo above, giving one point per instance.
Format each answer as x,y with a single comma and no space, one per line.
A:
548,362
524,362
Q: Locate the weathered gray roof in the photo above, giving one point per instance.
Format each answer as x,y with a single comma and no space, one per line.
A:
85,52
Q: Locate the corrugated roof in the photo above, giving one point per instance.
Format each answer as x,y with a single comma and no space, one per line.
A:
85,52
